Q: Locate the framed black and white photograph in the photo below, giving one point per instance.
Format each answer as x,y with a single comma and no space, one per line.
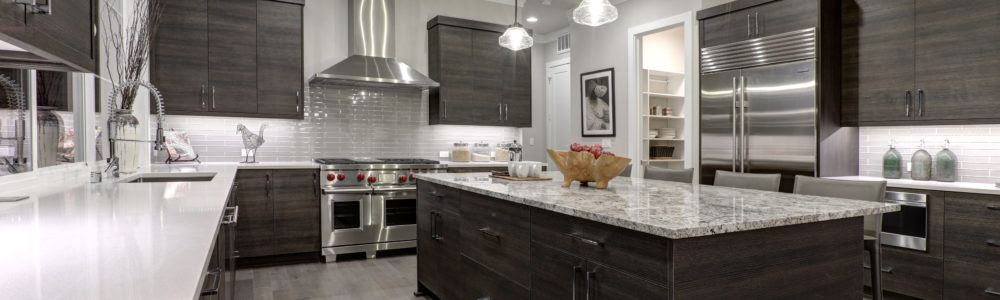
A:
598,102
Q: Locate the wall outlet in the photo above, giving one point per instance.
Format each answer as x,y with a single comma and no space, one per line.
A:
531,141
443,154
909,166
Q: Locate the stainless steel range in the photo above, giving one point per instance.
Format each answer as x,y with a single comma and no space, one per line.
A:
370,204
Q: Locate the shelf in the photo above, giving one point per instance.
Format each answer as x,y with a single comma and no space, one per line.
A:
663,160
659,139
663,117
665,72
662,95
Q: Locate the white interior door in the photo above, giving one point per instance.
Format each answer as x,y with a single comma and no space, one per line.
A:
558,107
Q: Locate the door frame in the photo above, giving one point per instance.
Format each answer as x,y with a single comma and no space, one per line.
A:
691,98
549,109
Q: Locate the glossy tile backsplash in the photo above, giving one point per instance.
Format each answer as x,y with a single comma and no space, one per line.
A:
977,148
340,122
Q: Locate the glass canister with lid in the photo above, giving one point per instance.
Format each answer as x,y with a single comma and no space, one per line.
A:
481,152
460,152
502,152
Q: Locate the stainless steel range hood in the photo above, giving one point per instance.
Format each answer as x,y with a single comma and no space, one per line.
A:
372,29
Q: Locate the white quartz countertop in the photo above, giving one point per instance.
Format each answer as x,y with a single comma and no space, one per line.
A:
668,209
112,240
962,187
259,165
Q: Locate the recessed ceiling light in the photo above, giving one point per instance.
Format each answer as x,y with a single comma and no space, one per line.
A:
531,19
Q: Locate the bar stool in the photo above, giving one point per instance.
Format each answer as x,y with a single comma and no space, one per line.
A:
627,172
667,174
857,190
764,182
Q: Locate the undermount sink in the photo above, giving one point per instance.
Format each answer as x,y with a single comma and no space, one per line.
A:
171,177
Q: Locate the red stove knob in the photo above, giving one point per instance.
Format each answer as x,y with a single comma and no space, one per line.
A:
371,179
411,176
361,177
403,178
331,177
341,177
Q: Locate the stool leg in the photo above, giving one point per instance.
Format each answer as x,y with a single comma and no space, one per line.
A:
876,268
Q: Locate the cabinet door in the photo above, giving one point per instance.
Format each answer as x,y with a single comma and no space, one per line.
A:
479,282
255,229
517,94
877,69
556,274
728,28
488,69
450,60
11,17
295,197
438,257
232,56
958,59
179,55
279,58
784,16
970,281
68,33
607,283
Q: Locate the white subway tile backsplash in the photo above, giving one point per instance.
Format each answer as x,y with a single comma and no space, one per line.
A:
977,148
340,121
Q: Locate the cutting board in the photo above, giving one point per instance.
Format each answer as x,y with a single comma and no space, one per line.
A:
512,178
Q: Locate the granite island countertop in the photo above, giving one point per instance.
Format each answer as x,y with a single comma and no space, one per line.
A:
667,209
76,240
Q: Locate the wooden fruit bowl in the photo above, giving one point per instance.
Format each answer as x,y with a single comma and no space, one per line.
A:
582,167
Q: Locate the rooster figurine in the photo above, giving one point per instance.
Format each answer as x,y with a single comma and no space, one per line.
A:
251,142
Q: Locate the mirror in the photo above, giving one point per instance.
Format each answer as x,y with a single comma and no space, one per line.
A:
56,134
15,114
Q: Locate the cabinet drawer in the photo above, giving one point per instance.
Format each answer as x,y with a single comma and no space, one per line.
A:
969,281
479,282
438,197
642,254
495,233
972,232
603,282
909,274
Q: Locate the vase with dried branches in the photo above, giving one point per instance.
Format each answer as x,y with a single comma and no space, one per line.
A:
127,42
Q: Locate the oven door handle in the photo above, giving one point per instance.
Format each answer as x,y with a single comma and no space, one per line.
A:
396,189
329,191
908,203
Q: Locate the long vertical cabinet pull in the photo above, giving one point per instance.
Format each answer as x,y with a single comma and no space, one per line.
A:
743,122
316,184
298,101
920,103
506,112
756,24
590,275
906,102
267,184
576,270
749,32
213,97
500,111
736,142
201,96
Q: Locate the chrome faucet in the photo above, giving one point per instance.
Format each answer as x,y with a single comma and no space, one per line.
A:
159,143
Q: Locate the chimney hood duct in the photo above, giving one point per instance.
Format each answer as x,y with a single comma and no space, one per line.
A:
371,25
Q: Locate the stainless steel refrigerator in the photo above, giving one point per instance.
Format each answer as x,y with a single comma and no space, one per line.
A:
763,110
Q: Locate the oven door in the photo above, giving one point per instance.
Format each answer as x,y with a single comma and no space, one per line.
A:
347,217
398,208
906,228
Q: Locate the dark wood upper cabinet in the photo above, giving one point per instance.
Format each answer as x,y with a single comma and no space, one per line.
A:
481,82
279,58
750,19
725,29
230,58
65,40
179,56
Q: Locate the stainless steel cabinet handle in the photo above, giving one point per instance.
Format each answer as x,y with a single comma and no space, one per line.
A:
993,243
590,275
993,207
233,217
576,270
991,291
236,193
884,269
748,26
267,183
213,97
920,103
591,242
298,102
444,106
316,184
500,111
743,122
202,97
216,283
486,231
506,112
433,225
756,26
906,102
736,143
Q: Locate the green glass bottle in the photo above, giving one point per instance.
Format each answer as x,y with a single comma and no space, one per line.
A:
921,164
944,164
891,162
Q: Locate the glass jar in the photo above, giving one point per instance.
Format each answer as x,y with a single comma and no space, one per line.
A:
460,152
921,164
891,162
481,152
502,152
945,164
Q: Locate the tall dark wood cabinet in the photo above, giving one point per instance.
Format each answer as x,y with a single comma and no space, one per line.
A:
279,216
65,40
912,62
481,82
230,58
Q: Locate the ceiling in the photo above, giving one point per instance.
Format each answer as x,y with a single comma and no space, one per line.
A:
552,14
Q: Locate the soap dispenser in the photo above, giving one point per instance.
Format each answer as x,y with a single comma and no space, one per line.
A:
921,164
891,162
944,164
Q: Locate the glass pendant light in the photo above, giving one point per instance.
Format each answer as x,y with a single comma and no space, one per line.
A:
516,37
595,13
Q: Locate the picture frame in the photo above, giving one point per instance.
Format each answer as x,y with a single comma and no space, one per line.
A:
597,103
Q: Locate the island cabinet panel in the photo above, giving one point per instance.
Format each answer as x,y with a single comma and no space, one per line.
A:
716,266
494,233
639,253
970,281
972,228
556,274
439,261
438,197
907,273
481,282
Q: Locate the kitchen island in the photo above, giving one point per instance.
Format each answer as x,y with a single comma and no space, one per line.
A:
639,239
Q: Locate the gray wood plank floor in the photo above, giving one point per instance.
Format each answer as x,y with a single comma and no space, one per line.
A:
383,278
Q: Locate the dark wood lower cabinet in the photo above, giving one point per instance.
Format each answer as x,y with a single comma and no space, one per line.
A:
255,229
480,282
279,216
909,273
296,211
970,281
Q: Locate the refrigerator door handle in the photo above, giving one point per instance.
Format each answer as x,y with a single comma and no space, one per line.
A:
736,91
743,122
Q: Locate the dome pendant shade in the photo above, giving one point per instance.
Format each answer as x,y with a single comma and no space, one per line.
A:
595,13
516,38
